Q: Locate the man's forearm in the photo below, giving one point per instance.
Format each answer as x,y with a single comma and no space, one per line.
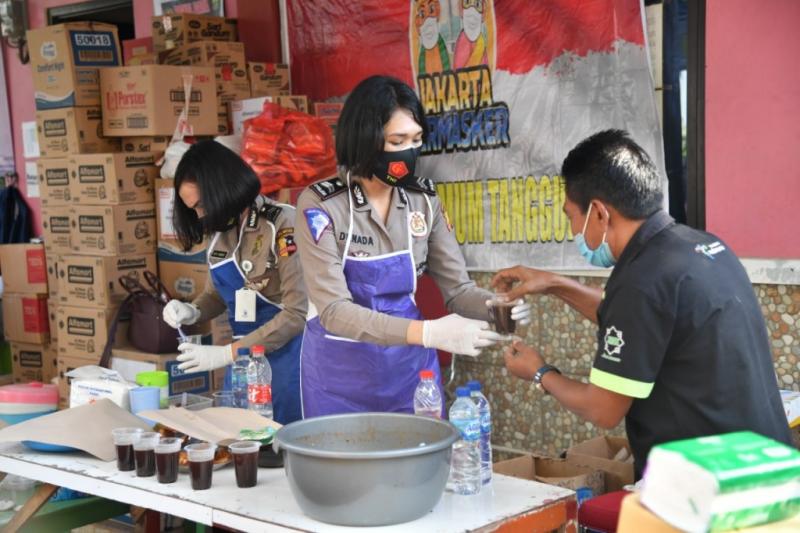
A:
583,299
602,408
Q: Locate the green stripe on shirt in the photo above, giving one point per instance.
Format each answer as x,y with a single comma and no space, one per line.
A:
620,385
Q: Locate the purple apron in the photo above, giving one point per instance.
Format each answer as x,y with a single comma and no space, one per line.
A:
340,375
285,361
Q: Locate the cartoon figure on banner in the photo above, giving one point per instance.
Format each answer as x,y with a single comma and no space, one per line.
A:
472,45
433,55
459,104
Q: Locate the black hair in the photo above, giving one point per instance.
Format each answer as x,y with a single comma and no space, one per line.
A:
226,184
611,167
359,132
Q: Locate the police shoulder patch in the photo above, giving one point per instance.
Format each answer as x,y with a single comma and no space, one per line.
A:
327,189
423,185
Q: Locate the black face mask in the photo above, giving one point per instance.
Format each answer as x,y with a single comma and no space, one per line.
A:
393,168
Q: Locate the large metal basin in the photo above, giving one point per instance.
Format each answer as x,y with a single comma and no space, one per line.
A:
367,469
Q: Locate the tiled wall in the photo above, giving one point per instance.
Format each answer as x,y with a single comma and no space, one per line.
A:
526,420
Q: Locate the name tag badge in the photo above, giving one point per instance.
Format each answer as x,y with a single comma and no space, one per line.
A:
245,306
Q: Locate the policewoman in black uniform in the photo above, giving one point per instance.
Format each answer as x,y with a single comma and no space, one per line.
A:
254,272
682,348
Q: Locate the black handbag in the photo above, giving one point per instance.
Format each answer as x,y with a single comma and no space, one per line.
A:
147,331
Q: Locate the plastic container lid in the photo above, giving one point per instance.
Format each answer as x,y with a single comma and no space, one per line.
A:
462,392
243,351
257,349
244,446
474,385
200,452
169,445
426,374
155,378
33,392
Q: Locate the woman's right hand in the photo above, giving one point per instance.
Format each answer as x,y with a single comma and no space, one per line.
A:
456,334
527,280
177,313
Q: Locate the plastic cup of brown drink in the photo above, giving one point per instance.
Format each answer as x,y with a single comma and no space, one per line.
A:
245,461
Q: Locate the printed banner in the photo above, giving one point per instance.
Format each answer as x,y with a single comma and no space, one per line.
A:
508,86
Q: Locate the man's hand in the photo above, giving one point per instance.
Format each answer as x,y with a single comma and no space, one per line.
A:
528,281
522,360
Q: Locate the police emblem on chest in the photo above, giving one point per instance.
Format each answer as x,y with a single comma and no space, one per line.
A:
417,224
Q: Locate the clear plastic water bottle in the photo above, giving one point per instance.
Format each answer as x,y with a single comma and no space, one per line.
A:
427,397
485,413
259,383
465,465
239,377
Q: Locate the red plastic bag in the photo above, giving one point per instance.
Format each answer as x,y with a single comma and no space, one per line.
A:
288,148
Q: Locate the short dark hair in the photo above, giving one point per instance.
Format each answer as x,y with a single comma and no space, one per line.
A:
227,186
611,167
359,132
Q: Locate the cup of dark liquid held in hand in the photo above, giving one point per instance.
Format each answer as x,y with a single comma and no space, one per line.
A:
167,451
245,460
201,462
500,311
144,451
123,441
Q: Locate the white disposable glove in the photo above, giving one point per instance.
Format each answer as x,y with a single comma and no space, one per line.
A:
177,313
456,334
201,358
520,313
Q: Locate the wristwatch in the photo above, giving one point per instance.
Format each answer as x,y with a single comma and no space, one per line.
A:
537,378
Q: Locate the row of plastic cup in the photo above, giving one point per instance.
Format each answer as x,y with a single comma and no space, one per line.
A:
149,453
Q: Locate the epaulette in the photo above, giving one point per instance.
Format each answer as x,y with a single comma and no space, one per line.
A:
424,185
329,188
271,212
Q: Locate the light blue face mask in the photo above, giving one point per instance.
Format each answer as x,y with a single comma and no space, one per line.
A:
600,256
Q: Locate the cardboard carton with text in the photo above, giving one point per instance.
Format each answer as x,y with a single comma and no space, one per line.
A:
113,230
56,230
33,362
113,179
54,181
25,318
24,268
94,281
72,130
171,30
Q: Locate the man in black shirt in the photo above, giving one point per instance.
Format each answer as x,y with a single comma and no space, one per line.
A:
682,346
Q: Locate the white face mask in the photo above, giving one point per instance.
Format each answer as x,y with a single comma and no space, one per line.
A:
473,22
429,33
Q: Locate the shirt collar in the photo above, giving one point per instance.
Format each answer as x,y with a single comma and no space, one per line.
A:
652,226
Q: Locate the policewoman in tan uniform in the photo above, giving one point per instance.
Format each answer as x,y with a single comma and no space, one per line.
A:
254,272
363,238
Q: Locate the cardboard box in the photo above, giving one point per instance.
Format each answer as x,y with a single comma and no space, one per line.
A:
136,47
65,59
52,319
168,247
143,59
94,281
54,181
269,79
33,362
148,100
791,405
25,318
129,361
72,130
83,331
556,472
174,30
56,229
63,366
295,102
113,179
206,54
241,110
146,144
24,268
599,453
51,261
328,111
184,281
232,85
113,230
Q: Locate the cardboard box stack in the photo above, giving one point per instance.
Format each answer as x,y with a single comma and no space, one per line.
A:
26,323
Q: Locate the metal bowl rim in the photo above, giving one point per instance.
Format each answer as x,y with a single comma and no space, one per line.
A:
440,445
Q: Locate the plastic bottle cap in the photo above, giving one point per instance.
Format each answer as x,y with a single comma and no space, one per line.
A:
426,374
474,385
462,391
243,351
257,349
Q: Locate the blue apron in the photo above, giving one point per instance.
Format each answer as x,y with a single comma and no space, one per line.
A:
340,375
285,361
